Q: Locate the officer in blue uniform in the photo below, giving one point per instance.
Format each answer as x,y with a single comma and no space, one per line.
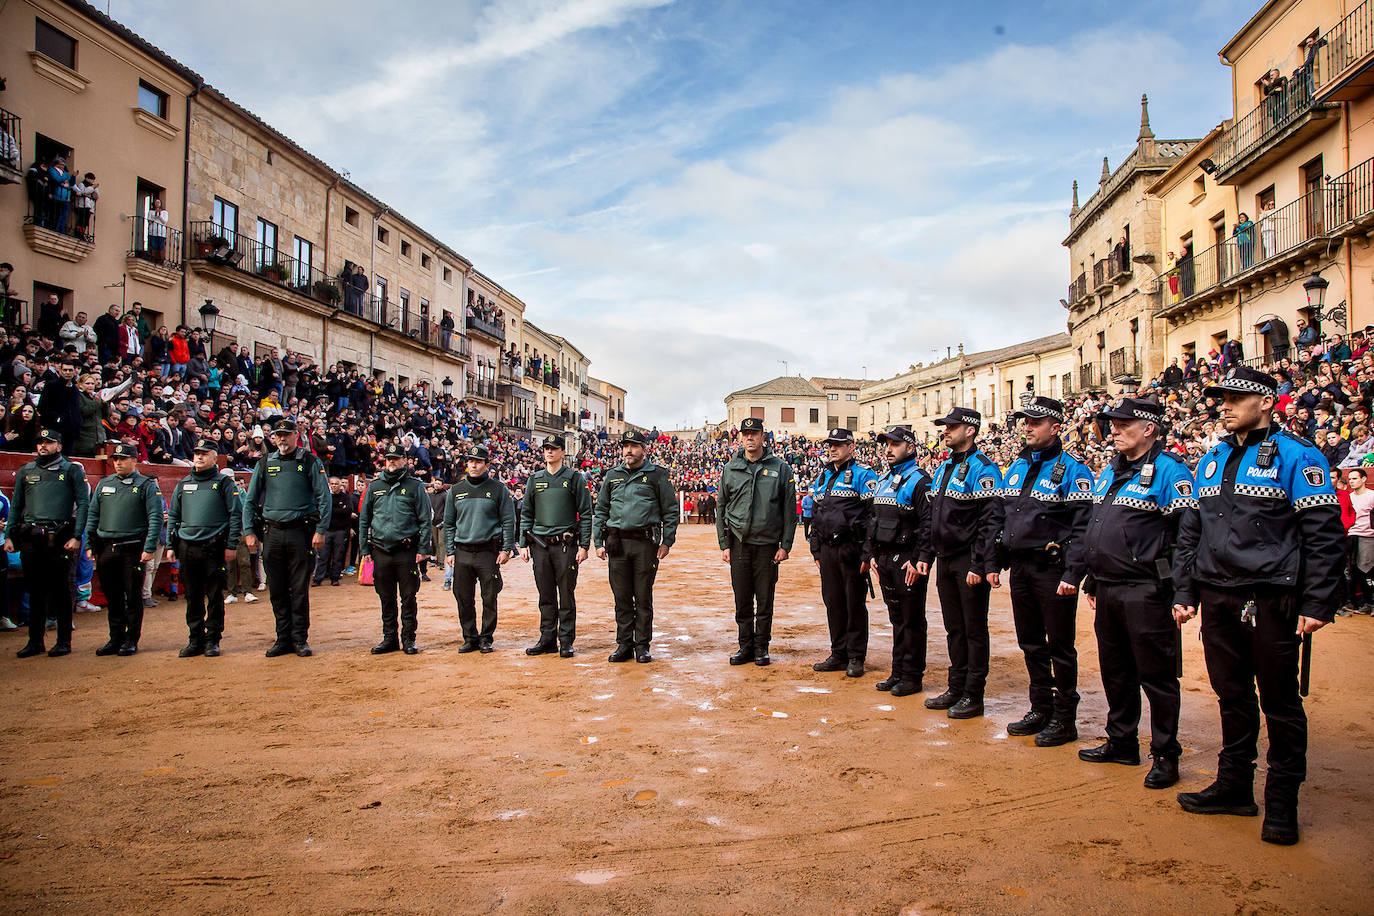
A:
839,530
1141,498
965,516
1267,543
1046,503
897,537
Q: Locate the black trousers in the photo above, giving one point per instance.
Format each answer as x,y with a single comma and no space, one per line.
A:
121,579
469,568
964,608
555,576
843,590
203,577
52,594
287,560
329,559
632,584
754,579
1137,646
906,610
1241,657
395,572
1045,625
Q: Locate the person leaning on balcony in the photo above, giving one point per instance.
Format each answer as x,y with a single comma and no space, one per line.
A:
157,230
60,183
1244,234
84,197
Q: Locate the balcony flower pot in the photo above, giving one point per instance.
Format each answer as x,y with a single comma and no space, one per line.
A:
327,292
277,273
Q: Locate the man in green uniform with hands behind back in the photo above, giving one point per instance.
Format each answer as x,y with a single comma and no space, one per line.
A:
122,531
555,532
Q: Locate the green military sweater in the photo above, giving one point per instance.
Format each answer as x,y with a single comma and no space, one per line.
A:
556,504
395,507
287,488
124,508
49,490
205,506
636,499
479,511
758,501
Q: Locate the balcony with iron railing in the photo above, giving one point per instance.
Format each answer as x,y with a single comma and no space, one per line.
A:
1275,239
1288,113
1102,279
484,388
213,244
60,229
547,420
1078,290
14,312
1122,365
491,329
1089,377
11,148
1342,70
154,253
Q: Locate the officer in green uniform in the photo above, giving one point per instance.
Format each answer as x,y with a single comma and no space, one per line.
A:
204,523
755,526
287,507
479,531
47,516
396,531
555,532
122,531
634,525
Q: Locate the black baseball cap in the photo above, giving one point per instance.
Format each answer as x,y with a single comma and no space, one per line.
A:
1040,406
634,436
898,434
751,424
839,435
555,442
124,450
1135,409
1243,380
966,415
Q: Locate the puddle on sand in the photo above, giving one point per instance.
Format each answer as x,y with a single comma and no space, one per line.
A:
770,712
883,708
40,781
602,696
376,714
278,688
702,770
645,795
653,690
593,877
611,784
813,690
511,815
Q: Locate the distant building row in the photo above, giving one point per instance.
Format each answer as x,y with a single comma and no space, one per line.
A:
289,251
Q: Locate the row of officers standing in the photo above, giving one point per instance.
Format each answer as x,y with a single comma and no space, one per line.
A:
286,510
1254,541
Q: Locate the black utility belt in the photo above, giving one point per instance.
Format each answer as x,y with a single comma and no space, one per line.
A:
493,546
1044,558
837,538
567,538
124,544
288,526
635,534
408,545
44,529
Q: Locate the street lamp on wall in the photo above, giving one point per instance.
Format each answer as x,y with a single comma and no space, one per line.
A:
1315,286
209,317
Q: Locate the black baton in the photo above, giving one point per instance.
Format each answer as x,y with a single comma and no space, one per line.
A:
870,586
1305,671
1178,648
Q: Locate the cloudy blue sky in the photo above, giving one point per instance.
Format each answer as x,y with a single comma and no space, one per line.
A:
694,191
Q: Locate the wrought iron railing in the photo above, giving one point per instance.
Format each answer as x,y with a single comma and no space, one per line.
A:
1121,362
1100,276
490,328
14,312
11,140
1089,376
1348,41
63,216
211,242
1267,120
547,419
156,242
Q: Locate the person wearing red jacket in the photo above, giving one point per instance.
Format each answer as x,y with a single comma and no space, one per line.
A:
180,351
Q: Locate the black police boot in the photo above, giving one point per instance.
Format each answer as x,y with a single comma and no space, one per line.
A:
832,663
855,668
642,656
743,656
388,644
1280,820
888,682
566,652
905,688
65,648
761,656
408,646
279,648
485,646
212,650
192,650
944,700
1163,774
30,650
303,650
1032,723
469,645
129,648
621,654
110,648
1058,731
968,707
545,646
1113,751
1220,798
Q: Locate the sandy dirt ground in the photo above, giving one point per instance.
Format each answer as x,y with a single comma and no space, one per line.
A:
439,783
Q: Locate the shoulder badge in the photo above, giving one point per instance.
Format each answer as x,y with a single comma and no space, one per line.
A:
1183,488
987,483
1083,485
1315,476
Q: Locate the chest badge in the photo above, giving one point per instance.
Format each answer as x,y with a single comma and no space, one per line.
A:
1211,468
